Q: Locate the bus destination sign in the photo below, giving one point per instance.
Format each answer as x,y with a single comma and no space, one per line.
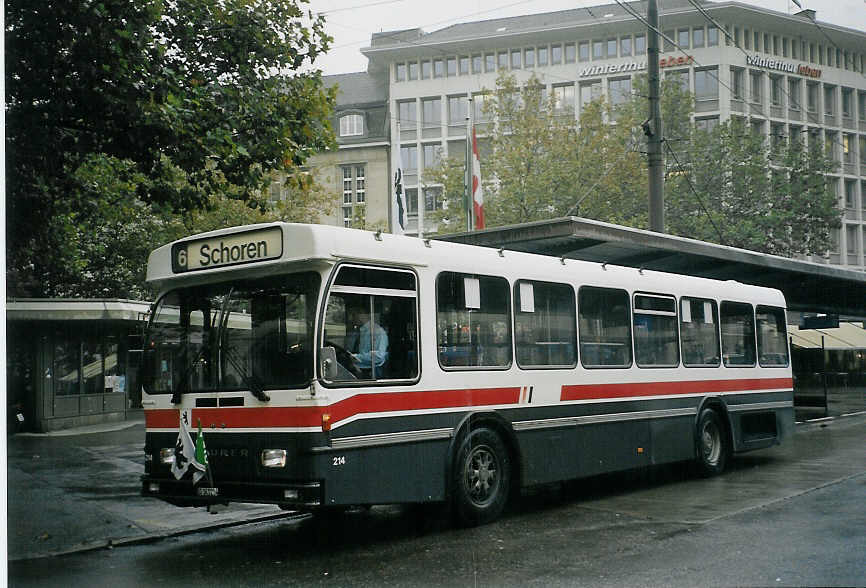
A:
224,250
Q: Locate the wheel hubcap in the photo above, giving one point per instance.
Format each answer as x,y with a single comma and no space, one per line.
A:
711,443
482,475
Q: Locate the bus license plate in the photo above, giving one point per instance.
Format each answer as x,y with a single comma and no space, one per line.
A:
205,491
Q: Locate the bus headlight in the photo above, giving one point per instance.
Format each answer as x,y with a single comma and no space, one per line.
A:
274,458
166,455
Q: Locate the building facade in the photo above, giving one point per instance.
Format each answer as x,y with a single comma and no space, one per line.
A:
358,171
785,74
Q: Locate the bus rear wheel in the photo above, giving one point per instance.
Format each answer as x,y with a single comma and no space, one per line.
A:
481,478
713,445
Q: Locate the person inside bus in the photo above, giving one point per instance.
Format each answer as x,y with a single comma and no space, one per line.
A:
372,352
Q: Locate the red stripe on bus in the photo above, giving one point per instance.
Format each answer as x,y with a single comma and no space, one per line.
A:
311,416
602,391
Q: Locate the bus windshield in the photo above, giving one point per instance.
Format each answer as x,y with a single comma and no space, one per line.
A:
245,335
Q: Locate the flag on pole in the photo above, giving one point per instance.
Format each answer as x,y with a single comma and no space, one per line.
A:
477,191
200,457
399,204
185,451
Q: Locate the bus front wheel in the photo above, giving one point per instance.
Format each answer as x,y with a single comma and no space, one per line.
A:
481,478
713,446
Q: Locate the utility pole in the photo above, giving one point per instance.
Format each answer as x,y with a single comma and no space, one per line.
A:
652,127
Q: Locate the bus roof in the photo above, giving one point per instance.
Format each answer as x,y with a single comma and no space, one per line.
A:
262,249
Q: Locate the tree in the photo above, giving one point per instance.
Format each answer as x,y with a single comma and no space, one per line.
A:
170,103
738,191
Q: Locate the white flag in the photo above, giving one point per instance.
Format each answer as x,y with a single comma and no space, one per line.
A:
477,191
399,204
184,450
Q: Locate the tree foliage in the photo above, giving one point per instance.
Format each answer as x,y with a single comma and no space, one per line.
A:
141,109
738,191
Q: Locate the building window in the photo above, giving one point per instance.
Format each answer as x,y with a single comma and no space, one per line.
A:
583,51
426,70
640,44
697,37
542,56
776,90
409,158
431,155
829,100
348,192
847,151
529,57
476,64
712,36
683,38
611,47
756,37
458,110
515,59
589,91
706,125
847,100
464,65
668,41
597,49
755,83
794,94
747,40
400,74
851,239
737,83
625,46
412,201
431,109
812,97
563,99
413,70
555,54
351,125
706,84
408,114
569,53
489,62
451,63
433,199
360,184
479,107
850,194
620,91
784,46
438,68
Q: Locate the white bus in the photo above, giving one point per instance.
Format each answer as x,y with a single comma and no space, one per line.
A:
331,367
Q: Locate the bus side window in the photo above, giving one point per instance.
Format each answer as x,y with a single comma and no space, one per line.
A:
699,332
738,334
605,336
772,336
473,326
655,331
544,324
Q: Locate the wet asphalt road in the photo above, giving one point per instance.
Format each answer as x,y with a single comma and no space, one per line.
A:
788,516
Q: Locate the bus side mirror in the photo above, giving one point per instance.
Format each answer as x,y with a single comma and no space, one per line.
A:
328,360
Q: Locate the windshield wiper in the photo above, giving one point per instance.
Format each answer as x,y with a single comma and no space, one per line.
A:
256,389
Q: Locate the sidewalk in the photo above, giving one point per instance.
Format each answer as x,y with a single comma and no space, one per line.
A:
79,489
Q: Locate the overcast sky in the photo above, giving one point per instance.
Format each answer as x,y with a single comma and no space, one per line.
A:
352,22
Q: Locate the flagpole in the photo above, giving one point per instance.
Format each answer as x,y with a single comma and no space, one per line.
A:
467,177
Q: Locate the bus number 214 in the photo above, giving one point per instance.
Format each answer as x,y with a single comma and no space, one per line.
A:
340,460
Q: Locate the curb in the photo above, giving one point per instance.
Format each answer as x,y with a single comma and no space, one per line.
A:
825,421
160,535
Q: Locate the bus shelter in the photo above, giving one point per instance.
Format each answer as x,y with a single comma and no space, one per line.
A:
71,362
